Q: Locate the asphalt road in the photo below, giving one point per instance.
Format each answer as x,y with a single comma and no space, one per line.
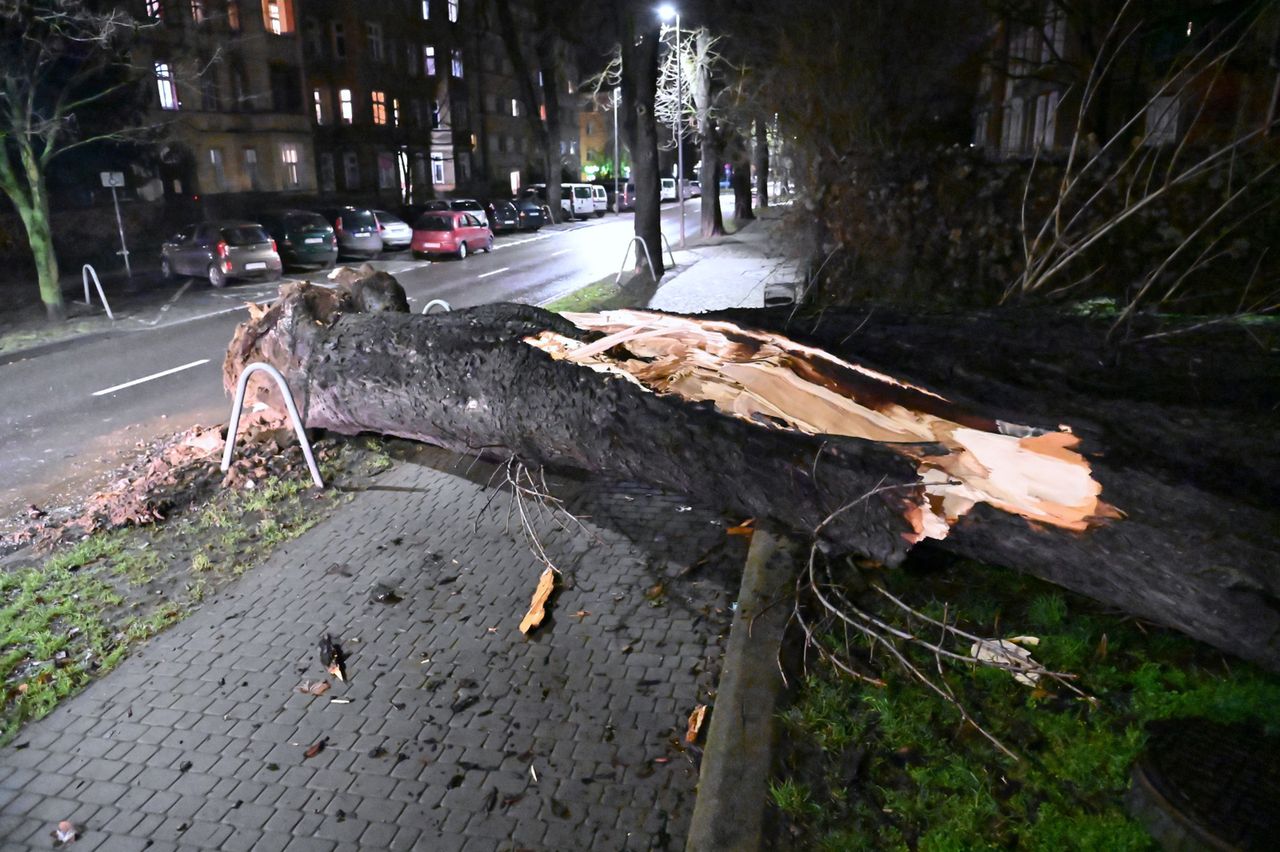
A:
69,414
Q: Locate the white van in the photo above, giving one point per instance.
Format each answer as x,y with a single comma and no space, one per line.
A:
599,199
668,192
575,199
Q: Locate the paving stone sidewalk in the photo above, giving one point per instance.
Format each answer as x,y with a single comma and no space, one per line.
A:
453,732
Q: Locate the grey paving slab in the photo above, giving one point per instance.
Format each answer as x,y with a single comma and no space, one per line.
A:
453,730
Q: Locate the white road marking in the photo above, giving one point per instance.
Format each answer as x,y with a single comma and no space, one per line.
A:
161,374
494,272
562,251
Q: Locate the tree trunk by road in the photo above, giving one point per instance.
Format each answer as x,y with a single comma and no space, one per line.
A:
762,163
639,88
709,137
767,428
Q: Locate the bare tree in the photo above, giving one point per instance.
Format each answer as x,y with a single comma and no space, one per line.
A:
61,61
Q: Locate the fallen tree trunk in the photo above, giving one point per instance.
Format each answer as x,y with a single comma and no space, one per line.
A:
772,429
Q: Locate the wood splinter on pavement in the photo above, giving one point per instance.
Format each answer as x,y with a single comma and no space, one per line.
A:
695,723
537,606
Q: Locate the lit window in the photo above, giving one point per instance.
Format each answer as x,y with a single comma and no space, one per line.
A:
197,11
317,101
251,168
289,157
453,10
233,15
395,112
515,107
429,59
344,98
426,10
167,87
456,62
373,33
437,168
277,16
379,107
155,9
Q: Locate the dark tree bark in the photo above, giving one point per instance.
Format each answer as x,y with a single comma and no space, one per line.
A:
1183,553
712,220
762,163
639,88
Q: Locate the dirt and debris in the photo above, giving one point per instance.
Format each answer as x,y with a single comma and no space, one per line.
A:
333,658
65,832
537,606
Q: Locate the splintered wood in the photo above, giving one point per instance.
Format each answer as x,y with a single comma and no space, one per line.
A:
962,459
538,606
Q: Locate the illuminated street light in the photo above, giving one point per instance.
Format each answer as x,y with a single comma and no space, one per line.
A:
666,12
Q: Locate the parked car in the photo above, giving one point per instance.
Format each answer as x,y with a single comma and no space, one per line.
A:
532,214
503,215
357,231
599,199
628,199
302,238
668,190
221,251
450,232
692,189
470,205
575,198
395,232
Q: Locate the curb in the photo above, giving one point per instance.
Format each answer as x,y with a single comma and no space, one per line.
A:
734,780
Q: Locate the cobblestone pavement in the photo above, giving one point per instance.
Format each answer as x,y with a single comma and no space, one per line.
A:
453,731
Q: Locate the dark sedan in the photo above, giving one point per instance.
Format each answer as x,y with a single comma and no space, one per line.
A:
304,238
530,214
503,215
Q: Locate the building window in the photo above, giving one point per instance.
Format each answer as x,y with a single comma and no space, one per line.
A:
327,183
373,34
351,170
219,170
311,36
411,59
251,168
379,107
155,9
386,171
277,16
289,157
339,41
166,86
1046,122
1161,121
429,60
395,112
233,15
426,10
453,11
437,168
197,11
344,100
456,62
210,98
317,103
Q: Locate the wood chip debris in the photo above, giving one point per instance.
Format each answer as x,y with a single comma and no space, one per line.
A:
320,687
1009,653
537,607
695,723
316,747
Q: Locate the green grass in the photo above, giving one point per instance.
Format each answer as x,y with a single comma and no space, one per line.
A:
599,295
928,781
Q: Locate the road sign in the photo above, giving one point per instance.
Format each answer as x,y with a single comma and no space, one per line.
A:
112,178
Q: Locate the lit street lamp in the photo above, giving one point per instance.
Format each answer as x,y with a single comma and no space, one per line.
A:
666,11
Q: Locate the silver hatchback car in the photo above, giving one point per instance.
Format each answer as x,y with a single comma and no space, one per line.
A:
221,251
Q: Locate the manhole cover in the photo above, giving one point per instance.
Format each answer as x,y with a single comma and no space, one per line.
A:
1204,785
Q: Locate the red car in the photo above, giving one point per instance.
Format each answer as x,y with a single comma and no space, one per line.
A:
450,232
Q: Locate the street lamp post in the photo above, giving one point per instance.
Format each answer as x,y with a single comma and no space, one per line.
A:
667,11
617,199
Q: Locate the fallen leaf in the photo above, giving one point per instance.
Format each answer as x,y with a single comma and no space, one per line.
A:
695,723
1009,652
655,591
316,747
537,606
320,687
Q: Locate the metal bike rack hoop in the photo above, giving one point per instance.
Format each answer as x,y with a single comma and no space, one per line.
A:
426,309
87,271
238,405
636,239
